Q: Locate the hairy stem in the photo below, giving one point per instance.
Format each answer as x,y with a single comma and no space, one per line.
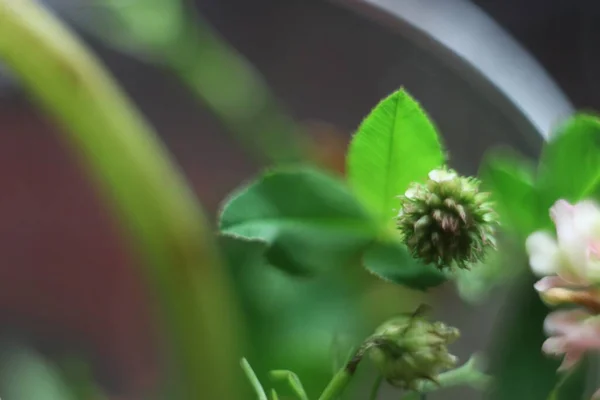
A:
337,385
342,378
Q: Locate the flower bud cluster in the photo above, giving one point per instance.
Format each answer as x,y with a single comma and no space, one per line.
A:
410,349
447,221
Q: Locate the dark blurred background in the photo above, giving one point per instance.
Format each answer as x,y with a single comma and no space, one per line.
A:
67,283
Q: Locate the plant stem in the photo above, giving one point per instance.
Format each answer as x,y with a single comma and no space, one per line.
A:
342,378
292,380
337,385
375,388
134,172
234,92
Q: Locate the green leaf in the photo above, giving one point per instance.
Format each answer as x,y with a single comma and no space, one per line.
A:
572,384
391,261
308,220
395,145
511,180
519,368
570,162
276,306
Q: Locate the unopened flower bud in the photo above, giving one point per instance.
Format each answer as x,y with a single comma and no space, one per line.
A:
410,349
446,220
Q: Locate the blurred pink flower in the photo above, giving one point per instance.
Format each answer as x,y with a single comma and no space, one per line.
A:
571,334
575,254
570,269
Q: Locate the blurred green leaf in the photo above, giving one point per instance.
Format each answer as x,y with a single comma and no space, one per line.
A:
134,25
570,162
391,261
519,368
77,373
172,34
572,384
511,180
25,375
395,145
308,219
291,322
499,268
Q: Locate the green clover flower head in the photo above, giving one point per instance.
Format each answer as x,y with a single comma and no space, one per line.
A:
447,221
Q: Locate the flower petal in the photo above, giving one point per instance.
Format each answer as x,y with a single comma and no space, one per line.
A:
555,346
574,225
570,360
411,193
441,175
586,218
563,215
564,322
550,282
561,209
544,255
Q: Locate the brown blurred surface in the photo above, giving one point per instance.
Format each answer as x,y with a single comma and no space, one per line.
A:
66,282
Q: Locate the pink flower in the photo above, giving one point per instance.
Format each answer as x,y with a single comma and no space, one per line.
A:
572,333
570,270
575,253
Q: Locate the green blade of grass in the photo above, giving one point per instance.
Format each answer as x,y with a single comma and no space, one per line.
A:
258,389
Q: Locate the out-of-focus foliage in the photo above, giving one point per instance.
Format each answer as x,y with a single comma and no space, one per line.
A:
25,375
519,368
511,178
171,34
572,382
293,323
512,181
570,163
